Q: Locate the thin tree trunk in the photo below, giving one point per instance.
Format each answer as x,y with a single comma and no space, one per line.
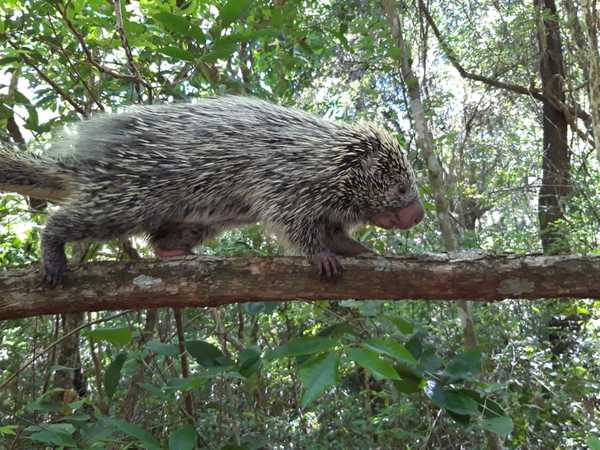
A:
424,138
556,163
592,22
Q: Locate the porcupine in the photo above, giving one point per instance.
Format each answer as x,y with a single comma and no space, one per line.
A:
181,173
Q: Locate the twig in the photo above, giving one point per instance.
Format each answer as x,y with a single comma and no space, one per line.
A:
60,91
88,53
130,61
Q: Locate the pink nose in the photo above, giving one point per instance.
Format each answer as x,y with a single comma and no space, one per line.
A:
419,213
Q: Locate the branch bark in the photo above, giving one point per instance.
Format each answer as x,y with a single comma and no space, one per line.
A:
211,281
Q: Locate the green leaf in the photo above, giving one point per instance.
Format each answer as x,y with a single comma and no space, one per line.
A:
233,10
254,308
183,439
55,434
337,330
172,22
156,391
502,425
249,362
404,326
371,361
429,361
395,53
53,438
390,348
368,308
8,429
206,354
408,385
178,53
464,366
305,345
490,408
116,336
160,348
461,419
317,374
455,400
180,25
112,376
221,49
185,384
143,437
593,443
415,344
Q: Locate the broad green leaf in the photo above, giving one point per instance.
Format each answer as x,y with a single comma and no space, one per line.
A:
415,345
395,52
455,400
249,362
461,419
429,361
206,354
92,433
305,345
180,25
337,330
143,437
53,438
112,376
317,374
156,391
490,408
233,10
185,384
372,362
56,434
254,308
178,53
464,366
183,439
502,425
160,348
8,429
408,384
368,308
221,49
226,371
390,348
404,326
172,22
593,443
116,336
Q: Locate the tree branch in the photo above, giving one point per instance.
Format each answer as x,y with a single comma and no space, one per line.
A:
62,10
569,112
130,61
211,281
30,62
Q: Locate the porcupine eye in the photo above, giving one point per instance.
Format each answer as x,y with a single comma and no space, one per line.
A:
396,193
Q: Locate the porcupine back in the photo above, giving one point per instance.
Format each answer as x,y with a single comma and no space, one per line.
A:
241,151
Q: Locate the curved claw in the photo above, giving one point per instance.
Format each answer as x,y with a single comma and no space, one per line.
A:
53,274
327,265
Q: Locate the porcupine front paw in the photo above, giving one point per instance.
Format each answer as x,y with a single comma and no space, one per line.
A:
327,264
53,269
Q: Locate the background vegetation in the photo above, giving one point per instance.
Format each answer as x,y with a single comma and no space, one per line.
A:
496,103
